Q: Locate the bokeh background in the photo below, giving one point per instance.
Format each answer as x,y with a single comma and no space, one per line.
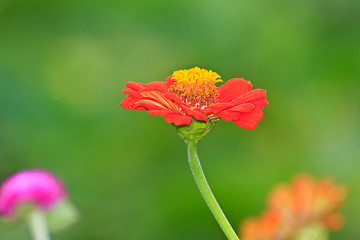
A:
63,65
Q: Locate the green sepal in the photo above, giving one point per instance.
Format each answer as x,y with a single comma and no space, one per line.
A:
62,216
313,231
195,130
19,217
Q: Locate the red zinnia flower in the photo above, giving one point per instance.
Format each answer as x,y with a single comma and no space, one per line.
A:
192,93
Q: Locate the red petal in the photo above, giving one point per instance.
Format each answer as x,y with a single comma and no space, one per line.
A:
131,92
246,111
195,113
217,107
149,96
250,120
135,86
233,89
178,119
246,107
237,112
175,98
155,98
253,95
149,104
136,101
128,102
247,124
162,112
229,116
261,103
158,85
172,116
159,97
169,81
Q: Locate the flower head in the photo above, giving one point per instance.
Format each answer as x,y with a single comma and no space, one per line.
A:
192,93
36,186
293,208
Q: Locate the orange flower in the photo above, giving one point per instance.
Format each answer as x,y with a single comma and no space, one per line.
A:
264,227
293,207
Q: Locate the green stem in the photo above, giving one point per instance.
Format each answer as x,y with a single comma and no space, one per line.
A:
38,225
206,191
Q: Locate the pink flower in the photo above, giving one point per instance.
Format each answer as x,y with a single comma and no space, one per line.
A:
34,186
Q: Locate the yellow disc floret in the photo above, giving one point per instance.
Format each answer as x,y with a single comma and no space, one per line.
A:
195,86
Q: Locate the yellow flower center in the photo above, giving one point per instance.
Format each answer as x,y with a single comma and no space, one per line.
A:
195,86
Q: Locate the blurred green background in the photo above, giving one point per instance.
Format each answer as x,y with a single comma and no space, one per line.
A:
63,65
